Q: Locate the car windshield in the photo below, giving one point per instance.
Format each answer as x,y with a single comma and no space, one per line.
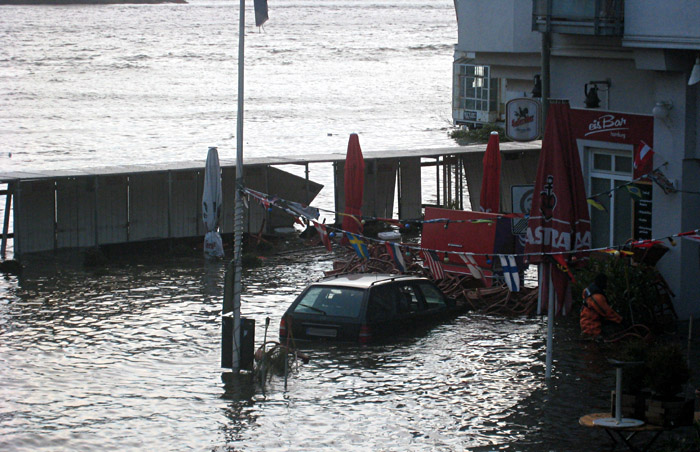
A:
331,301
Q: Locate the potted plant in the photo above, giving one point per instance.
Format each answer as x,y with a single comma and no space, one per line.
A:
667,373
653,390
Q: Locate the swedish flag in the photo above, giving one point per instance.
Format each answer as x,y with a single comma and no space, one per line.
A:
359,246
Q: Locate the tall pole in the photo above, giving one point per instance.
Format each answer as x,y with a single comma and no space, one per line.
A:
238,215
544,55
550,322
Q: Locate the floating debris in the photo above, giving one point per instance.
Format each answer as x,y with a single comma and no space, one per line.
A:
497,299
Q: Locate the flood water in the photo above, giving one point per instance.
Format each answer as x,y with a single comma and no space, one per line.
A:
126,357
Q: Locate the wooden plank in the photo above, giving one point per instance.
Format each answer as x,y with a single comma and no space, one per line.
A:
148,206
292,188
256,178
228,201
186,199
8,176
410,197
516,169
473,172
34,217
380,184
112,209
75,212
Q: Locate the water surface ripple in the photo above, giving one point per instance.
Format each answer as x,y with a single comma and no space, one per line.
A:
126,358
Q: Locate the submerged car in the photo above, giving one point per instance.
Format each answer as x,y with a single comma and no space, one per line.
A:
363,307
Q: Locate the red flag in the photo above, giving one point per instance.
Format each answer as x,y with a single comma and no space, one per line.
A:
643,160
323,232
692,235
472,266
563,266
490,199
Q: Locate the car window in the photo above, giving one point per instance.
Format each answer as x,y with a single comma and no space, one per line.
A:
383,303
331,301
433,297
409,301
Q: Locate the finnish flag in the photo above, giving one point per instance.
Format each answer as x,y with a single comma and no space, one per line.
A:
510,272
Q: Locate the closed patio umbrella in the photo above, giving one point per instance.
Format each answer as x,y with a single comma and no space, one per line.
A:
490,199
211,205
354,187
559,220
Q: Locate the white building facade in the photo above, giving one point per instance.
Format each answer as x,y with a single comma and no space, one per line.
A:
637,57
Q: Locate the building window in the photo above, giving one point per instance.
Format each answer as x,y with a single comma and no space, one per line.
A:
610,169
475,90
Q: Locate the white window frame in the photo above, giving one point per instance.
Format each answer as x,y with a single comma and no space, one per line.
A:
480,79
611,175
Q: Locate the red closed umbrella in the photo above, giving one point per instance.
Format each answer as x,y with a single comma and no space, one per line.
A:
490,199
559,218
354,187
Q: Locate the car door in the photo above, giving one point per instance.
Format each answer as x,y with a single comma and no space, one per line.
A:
411,306
436,304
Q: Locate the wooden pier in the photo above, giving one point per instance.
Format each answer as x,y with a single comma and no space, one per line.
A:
98,206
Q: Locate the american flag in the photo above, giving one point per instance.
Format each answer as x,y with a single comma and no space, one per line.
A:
434,264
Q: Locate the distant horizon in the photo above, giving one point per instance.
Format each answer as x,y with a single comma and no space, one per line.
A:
85,2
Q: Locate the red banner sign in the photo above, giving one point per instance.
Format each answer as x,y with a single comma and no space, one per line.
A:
626,128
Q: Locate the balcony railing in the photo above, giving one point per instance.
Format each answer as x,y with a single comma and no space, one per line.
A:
587,17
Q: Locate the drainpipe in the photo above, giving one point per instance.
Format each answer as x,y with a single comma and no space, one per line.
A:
545,53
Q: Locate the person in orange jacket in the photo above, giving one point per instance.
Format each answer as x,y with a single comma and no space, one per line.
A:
596,308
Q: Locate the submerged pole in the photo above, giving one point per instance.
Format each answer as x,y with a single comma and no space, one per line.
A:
550,322
232,285
238,217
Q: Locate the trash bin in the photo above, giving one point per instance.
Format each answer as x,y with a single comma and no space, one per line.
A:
247,342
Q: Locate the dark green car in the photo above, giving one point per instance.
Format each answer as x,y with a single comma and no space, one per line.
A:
362,307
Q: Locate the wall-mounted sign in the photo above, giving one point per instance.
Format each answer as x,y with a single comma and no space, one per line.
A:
469,115
521,199
642,212
523,119
613,127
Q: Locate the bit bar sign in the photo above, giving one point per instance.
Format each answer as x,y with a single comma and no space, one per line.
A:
523,119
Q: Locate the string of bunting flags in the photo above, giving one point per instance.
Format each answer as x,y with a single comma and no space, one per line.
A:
430,257
655,176
313,213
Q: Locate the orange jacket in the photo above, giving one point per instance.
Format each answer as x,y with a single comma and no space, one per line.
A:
595,308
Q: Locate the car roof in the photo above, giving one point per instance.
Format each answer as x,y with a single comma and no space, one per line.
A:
365,280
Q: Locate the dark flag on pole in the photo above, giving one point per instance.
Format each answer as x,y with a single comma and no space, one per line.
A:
260,12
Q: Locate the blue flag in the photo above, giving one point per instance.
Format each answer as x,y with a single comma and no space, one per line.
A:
359,246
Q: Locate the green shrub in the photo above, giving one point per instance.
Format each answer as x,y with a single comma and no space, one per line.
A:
667,369
480,135
663,368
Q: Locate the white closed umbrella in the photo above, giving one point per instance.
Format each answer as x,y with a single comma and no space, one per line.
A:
211,205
